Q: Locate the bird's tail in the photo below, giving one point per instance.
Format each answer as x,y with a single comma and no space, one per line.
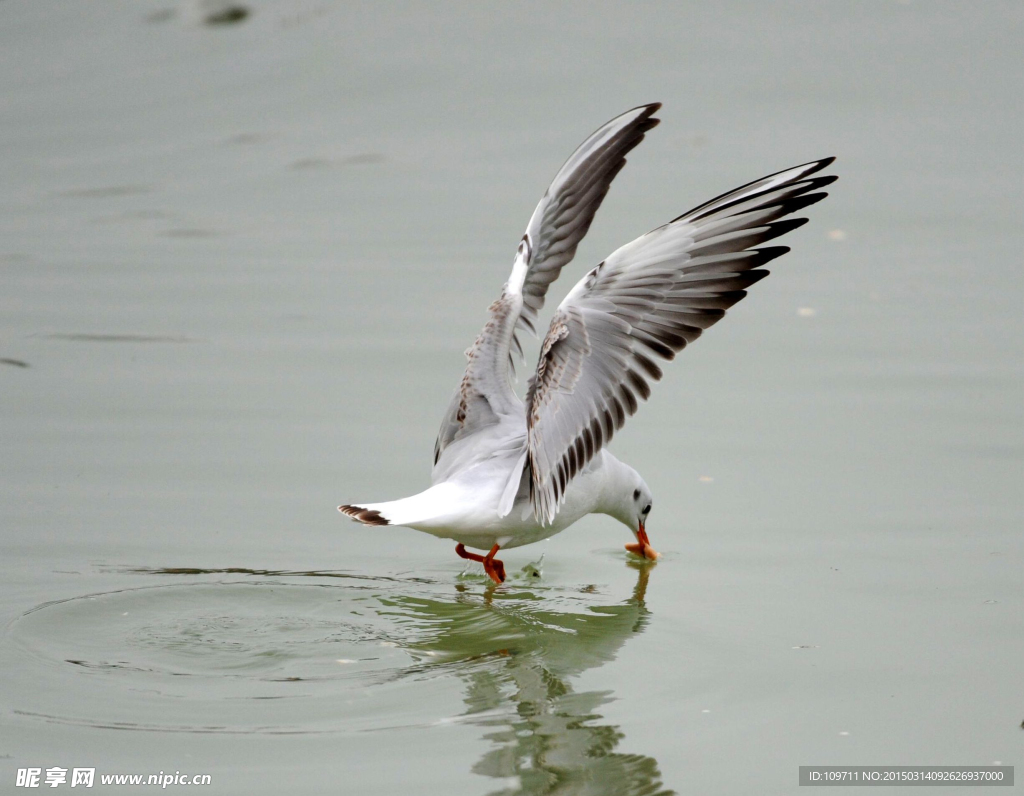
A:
421,511
365,515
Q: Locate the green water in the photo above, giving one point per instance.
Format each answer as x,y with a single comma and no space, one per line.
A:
241,256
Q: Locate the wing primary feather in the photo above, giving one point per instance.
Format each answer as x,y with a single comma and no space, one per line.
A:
588,443
744,192
645,302
485,395
638,384
649,366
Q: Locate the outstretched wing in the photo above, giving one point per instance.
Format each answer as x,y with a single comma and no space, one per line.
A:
557,226
646,302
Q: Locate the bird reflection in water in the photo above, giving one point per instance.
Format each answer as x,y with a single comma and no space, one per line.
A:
518,653
516,648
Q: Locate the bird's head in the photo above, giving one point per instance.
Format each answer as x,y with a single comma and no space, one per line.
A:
632,500
641,502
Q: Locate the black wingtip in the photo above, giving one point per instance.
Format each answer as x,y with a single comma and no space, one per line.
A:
645,120
779,228
818,165
651,107
798,203
767,254
805,171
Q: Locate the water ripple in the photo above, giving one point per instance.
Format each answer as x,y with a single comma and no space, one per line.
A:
242,651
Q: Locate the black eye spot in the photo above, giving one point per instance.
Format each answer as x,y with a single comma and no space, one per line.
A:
636,494
647,508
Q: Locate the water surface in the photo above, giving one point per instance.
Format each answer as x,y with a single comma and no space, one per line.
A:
243,247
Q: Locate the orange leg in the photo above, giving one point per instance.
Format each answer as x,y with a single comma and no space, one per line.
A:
643,546
492,566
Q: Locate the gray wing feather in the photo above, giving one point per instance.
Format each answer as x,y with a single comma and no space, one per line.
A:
485,393
558,224
646,302
564,214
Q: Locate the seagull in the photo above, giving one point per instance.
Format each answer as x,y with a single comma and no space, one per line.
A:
509,472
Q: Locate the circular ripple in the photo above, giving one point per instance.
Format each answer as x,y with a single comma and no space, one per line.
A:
219,657
307,653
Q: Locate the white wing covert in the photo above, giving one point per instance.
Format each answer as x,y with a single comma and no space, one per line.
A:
646,302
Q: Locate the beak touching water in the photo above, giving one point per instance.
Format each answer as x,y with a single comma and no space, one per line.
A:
643,547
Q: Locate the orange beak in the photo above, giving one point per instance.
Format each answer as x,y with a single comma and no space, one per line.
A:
643,547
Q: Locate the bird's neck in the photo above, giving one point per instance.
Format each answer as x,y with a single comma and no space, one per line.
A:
616,499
